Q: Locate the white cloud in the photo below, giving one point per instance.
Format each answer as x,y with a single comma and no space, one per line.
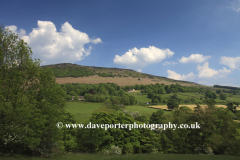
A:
143,56
52,46
231,62
194,58
223,72
139,70
206,72
95,41
169,63
174,75
13,28
235,6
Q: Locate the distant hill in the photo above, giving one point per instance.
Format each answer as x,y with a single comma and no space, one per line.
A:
64,70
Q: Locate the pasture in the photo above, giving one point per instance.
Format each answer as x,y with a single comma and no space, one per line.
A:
146,111
140,98
185,96
82,110
121,81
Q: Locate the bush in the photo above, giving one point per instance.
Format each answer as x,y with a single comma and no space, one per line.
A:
172,103
76,98
128,148
204,150
68,97
223,96
113,150
192,100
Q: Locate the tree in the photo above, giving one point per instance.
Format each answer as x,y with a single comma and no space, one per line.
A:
158,97
115,100
161,90
155,101
157,117
150,95
214,95
210,94
175,96
231,106
132,100
218,91
223,96
192,100
72,93
167,89
172,103
125,100
31,102
68,97
76,98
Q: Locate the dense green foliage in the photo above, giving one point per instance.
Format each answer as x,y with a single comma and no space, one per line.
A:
210,94
31,102
71,71
100,93
172,103
218,133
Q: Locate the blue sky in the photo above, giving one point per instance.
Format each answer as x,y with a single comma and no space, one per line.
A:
191,40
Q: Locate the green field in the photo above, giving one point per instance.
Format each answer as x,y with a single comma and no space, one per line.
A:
185,96
133,157
145,110
140,98
82,110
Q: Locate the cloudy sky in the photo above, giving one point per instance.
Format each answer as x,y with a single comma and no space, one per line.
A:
191,40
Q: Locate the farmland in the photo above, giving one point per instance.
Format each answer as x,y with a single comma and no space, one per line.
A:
73,73
82,110
143,98
121,81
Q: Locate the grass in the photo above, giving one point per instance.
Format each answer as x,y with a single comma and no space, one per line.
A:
146,110
82,110
185,96
140,98
123,81
156,156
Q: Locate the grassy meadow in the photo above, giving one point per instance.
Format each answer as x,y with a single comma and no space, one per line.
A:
82,110
121,81
184,96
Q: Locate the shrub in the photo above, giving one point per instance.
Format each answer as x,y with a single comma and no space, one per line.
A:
76,98
115,150
204,150
172,103
128,148
68,97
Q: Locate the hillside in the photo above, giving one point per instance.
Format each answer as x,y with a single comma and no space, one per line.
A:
73,73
